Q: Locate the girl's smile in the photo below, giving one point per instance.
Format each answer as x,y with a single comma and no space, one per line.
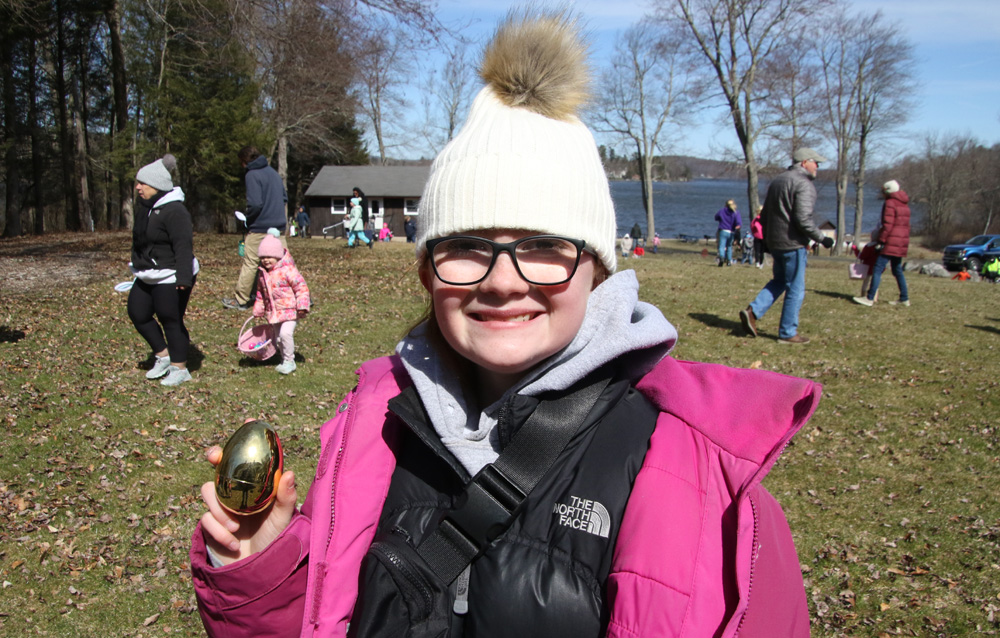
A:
504,325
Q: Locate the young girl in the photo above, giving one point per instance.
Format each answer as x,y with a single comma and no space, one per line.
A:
282,297
868,256
385,234
530,462
354,224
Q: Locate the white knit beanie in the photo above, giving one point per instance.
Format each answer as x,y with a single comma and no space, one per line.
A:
157,174
523,159
892,186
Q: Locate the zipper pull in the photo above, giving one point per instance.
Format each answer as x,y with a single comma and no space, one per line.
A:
461,606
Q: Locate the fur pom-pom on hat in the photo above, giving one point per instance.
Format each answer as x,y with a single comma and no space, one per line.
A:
523,159
271,246
892,186
158,174
539,64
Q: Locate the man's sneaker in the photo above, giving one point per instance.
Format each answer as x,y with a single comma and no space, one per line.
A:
231,304
286,367
176,376
795,339
749,322
864,301
900,303
159,368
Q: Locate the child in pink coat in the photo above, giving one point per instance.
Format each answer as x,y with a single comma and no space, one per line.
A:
282,297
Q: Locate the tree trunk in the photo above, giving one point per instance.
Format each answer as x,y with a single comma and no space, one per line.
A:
37,167
842,176
283,171
118,80
81,118
12,177
646,177
86,221
859,185
71,205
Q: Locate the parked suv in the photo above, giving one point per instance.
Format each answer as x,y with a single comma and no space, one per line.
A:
970,254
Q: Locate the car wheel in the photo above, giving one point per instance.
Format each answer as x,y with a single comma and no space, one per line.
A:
974,264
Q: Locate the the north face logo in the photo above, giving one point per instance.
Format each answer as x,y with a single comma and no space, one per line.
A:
584,515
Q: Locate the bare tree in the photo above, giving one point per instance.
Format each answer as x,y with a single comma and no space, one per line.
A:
840,62
384,64
885,90
735,37
866,90
791,111
940,177
450,90
645,89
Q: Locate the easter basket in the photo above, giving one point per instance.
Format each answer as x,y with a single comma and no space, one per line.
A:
257,341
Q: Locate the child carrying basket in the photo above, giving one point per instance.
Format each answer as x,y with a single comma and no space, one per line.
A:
282,299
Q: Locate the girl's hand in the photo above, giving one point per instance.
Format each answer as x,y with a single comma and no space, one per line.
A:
233,537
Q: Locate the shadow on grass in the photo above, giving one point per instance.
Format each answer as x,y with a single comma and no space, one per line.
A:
992,329
833,295
10,335
248,362
714,321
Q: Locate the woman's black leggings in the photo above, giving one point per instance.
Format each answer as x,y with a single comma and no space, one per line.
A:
149,302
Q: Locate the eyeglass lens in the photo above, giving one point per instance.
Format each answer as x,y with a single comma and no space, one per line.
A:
540,260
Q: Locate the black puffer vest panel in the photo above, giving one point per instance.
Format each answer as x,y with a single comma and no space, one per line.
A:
545,575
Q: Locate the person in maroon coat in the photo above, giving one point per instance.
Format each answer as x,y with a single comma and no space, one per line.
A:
893,240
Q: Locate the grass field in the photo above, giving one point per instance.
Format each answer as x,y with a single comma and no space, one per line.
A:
891,490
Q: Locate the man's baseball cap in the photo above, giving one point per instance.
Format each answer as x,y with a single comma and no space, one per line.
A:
805,153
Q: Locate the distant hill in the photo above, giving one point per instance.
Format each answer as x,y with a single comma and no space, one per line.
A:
670,168
676,168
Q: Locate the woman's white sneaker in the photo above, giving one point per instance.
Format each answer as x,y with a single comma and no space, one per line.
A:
160,368
176,376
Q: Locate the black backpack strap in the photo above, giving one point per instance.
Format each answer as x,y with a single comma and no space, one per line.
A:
493,497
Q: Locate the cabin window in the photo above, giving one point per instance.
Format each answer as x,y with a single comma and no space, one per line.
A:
339,205
411,205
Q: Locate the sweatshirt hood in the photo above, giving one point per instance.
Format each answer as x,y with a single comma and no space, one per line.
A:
259,162
174,195
616,326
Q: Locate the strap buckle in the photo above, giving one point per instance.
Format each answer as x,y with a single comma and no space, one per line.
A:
490,500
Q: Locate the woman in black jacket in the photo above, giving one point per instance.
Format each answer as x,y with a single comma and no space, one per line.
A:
165,270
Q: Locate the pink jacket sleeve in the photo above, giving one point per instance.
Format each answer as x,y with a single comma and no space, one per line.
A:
301,290
262,595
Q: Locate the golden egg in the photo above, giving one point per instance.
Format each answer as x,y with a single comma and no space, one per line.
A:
248,473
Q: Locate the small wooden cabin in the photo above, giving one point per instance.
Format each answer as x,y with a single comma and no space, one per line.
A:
392,193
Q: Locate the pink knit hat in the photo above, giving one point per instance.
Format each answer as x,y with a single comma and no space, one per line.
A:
271,246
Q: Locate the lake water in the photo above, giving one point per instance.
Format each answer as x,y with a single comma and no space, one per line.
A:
689,207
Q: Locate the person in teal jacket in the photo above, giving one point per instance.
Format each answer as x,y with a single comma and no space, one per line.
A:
648,520
354,224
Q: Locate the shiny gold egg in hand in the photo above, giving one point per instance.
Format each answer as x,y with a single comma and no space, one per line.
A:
247,475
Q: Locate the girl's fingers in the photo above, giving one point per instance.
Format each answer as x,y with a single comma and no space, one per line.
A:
214,454
216,510
216,532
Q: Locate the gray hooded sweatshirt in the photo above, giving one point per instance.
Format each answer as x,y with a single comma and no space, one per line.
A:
616,324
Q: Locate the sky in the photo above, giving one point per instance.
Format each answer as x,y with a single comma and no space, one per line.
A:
956,49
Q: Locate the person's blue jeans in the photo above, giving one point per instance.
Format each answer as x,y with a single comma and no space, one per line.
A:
725,241
897,272
788,277
357,234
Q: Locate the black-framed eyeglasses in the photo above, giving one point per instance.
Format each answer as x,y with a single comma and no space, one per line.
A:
543,260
